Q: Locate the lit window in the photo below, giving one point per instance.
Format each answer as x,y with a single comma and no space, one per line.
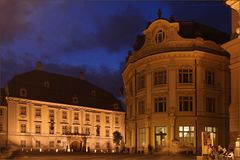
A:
140,81
87,117
76,116
160,77
185,103
160,104
142,137
185,75
107,119
210,78
46,84
160,135
75,100
97,118
160,36
23,92
51,144
210,104
213,130
23,128
141,107
38,144
186,134
23,111
64,114
38,112
38,129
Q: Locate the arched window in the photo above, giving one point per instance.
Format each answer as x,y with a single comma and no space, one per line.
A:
160,36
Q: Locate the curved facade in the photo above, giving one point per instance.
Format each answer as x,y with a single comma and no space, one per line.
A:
175,89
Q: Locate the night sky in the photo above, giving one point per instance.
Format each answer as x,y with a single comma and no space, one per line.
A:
69,36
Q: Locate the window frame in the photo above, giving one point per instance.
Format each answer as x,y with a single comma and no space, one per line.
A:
185,75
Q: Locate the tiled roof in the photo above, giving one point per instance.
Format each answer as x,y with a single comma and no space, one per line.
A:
51,87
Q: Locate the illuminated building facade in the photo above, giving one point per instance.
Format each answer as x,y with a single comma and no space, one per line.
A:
177,85
233,47
47,111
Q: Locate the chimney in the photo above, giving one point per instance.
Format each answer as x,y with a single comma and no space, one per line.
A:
82,75
39,66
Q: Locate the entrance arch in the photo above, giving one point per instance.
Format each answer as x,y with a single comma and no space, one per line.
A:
75,146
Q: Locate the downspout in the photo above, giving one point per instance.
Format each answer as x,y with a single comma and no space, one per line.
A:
196,105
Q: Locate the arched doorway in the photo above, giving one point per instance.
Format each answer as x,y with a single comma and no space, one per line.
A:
75,146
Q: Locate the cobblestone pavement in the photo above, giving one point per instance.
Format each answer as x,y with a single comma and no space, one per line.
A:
92,156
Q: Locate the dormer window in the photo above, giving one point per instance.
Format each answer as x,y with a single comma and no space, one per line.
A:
46,84
115,106
160,36
23,92
93,93
75,100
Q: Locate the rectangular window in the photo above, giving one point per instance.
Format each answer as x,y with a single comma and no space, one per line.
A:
76,130
107,133
212,130
210,104
142,137
1,112
186,134
160,136
23,111
140,82
107,119
23,143
64,129
64,115
97,118
185,103
76,116
51,115
97,145
38,144
87,131
185,75
38,112
210,78
141,107
1,127
51,144
87,117
23,128
160,104
98,130
116,120
38,129
160,77
51,128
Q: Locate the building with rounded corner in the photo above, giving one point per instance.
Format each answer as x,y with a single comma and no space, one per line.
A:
177,85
